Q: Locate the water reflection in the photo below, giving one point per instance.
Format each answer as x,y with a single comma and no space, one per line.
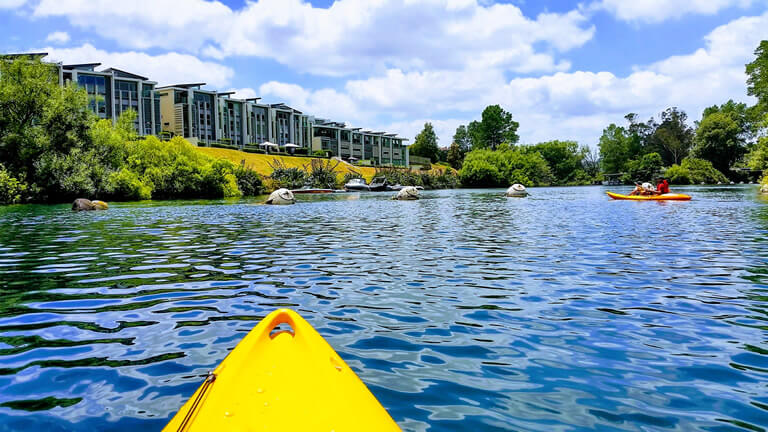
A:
461,311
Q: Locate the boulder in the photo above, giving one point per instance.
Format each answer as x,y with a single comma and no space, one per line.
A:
516,190
408,193
82,204
764,188
281,196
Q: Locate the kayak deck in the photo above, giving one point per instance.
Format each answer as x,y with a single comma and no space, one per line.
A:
282,380
665,197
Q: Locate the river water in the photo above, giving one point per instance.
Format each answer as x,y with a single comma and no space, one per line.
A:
465,310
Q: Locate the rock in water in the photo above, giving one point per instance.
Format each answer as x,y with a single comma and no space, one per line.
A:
408,193
281,196
516,190
82,204
99,205
764,189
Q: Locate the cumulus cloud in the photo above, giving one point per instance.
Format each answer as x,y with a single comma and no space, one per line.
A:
58,37
11,4
564,105
169,68
653,11
348,38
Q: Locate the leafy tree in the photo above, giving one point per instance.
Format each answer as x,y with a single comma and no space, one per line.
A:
591,162
475,136
425,144
719,139
644,168
617,147
495,128
757,159
463,139
672,138
505,166
757,76
455,156
563,157
694,171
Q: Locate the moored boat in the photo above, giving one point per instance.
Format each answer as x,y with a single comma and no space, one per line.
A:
378,184
357,184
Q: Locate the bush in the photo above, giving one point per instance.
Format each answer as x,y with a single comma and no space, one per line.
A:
127,185
284,177
323,174
249,181
11,189
301,151
505,166
678,175
320,153
644,169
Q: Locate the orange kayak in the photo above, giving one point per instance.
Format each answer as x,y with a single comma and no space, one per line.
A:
665,197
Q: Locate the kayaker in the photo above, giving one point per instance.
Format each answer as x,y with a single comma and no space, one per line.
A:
663,187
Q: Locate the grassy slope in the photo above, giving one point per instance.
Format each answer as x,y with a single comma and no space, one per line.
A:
260,162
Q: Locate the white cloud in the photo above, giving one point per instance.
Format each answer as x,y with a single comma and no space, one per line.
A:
169,68
348,38
653,11
564,105
58,37
11,4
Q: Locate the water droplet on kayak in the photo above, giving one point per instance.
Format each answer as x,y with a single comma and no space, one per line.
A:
260,390
228,414
266,403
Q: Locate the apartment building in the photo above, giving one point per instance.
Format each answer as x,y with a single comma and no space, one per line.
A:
113,91
207,117
380,148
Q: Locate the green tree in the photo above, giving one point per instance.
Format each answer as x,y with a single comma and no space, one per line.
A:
672,138
616,149
463,139
757,76
455,156
644,168
719,139
425,144
496,127
591,162
564,159
475,137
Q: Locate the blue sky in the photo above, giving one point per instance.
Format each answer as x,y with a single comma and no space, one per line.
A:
565,70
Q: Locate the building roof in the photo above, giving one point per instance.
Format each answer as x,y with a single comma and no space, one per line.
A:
82,66
188,85
33,56
227,94
256,99
129,74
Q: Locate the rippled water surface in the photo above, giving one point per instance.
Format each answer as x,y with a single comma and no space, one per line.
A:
463,311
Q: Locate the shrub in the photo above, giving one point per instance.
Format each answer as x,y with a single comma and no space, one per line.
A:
249,181
323,174
127,185
644,169
11,189
320,153
678,175
504,166
285,177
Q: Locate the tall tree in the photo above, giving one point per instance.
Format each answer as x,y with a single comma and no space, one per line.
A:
672,138
757,76
591,161
455,156
425,144
475,136
719,140
497,127
616,148
462,138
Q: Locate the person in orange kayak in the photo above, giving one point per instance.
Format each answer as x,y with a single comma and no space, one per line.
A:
644,189
663,187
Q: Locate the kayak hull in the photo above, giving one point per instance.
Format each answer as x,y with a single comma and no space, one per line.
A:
282,380
665,197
